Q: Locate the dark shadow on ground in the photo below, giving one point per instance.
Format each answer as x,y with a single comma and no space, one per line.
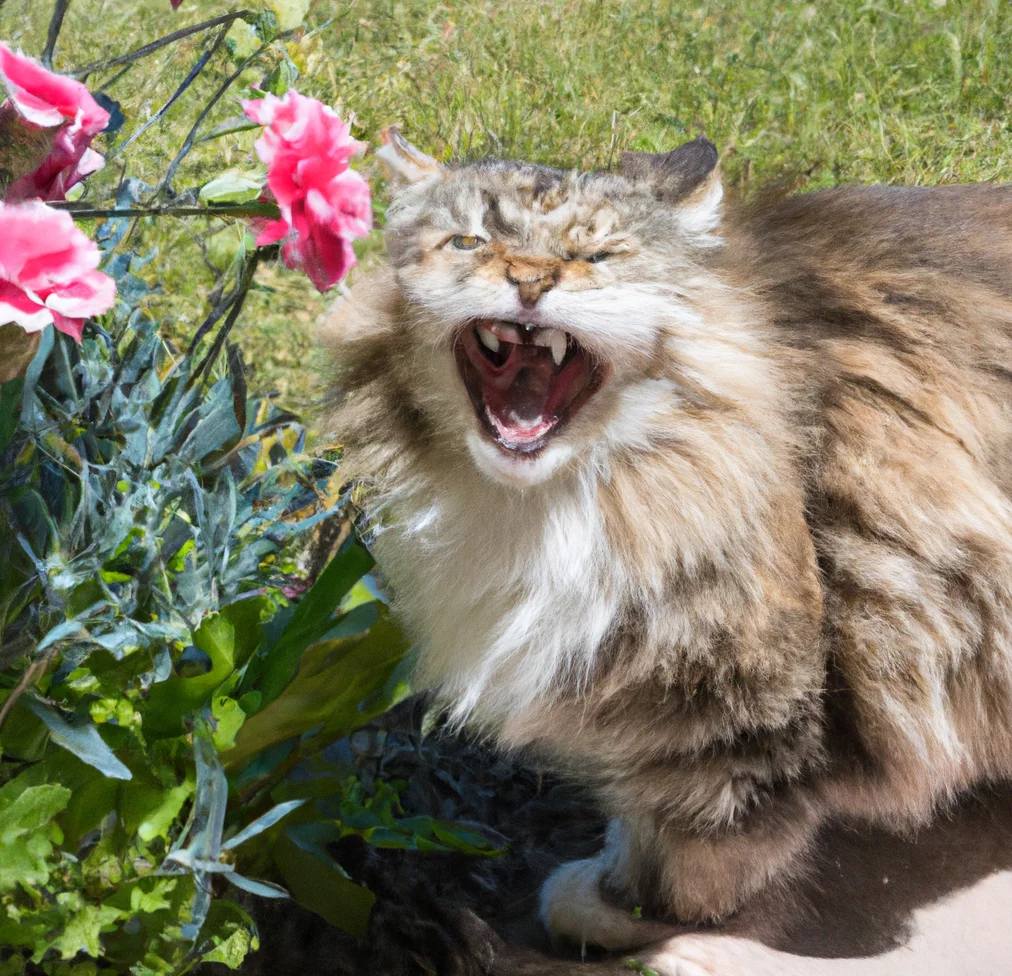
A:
860,900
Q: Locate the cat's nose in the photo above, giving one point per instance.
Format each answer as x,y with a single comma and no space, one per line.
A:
532,278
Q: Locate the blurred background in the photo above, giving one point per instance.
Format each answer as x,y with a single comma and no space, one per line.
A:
835,92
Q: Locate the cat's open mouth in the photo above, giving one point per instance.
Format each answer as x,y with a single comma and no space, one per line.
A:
525,382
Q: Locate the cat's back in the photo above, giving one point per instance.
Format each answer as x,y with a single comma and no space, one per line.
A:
893,308
880,235
897,302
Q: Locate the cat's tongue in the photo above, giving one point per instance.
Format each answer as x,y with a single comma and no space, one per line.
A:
518,395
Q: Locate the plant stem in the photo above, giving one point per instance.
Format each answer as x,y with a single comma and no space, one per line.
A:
109,82
55,23
241,290
142,52
216,313
187,81
192,135
31,673
258,208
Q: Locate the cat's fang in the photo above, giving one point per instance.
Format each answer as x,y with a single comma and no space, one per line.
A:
487,338
559,344
554,339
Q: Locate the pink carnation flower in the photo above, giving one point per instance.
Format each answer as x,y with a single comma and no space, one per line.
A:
47,270
44,100
324,204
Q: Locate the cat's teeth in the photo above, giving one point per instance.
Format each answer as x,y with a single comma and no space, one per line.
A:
554,339
558,344
488,339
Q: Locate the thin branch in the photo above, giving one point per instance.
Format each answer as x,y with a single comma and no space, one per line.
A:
109,82
215,314
55,23
245,280
31,673
187,81
258,208
142,52
192,135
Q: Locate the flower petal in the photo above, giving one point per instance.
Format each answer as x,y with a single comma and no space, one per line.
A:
36,110
17,307
38,92
90,294
272,231
72,327
48,270
40,246
324,204
260,110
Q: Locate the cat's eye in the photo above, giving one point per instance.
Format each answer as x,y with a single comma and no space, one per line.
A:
466,242
597,258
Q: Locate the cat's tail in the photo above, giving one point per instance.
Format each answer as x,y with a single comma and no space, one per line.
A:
572,908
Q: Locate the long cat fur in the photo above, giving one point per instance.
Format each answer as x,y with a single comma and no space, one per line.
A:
764,577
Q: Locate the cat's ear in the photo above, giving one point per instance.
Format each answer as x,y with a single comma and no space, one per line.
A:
687,177
403,162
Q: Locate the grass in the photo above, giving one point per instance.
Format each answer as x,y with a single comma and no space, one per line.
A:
842,91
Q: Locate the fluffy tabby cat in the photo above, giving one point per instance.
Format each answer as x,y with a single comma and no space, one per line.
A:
710,509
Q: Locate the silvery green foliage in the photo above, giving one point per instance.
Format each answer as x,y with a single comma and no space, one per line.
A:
162,673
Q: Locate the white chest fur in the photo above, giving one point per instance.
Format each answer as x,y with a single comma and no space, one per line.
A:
505,591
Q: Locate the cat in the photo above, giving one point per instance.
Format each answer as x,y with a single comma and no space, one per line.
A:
707,505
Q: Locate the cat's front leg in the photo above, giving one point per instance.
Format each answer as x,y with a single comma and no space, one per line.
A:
706,877
682,868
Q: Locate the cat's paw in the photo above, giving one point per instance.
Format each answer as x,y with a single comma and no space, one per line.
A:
720,955
572,908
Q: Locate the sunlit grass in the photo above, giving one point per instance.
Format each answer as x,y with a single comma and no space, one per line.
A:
842,91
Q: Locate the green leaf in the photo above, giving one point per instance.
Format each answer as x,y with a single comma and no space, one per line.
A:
228,717
81,933
265,889
290,13
14,966
34,371
68,627
82,740
283,77
459,838
170,701
150,809
639,967
312,617
217,427
227,935
89,804
330,690
259,825
317,882
24,735
23,810
232,188
25,847
147,899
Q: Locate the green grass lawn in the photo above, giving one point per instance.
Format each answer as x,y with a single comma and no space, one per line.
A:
844,91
